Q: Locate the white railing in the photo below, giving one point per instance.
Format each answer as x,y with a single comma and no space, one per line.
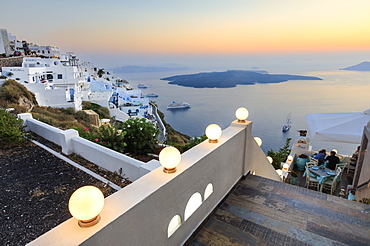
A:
140,214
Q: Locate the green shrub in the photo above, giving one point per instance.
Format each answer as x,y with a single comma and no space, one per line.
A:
111,138
107,136
141,136
281,155
11,130
103,112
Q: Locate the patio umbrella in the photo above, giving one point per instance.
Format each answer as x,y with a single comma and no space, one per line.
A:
338,127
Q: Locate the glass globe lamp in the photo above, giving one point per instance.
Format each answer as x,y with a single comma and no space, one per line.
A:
241,114
85,204
213,132
169,158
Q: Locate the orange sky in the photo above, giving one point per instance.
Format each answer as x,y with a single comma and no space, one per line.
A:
194,26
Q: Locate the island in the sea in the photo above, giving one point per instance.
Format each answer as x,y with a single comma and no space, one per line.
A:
231,78
363,66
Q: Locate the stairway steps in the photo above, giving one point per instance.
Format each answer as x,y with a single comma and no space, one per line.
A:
261,211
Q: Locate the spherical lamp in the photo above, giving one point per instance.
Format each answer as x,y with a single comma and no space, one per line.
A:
85,204
241,114
258,141
169,158
290,158
269,158
213,132
285,167
279,172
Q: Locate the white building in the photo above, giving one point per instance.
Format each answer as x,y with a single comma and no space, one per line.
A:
55,82
66,82
45,51
5,47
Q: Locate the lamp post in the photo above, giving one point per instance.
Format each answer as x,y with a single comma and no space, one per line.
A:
213,132
85,204
169,158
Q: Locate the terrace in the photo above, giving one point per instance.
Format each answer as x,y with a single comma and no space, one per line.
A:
180,208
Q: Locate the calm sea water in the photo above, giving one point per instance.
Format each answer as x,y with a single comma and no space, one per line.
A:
268,104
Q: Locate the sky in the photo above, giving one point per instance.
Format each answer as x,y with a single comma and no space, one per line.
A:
176,27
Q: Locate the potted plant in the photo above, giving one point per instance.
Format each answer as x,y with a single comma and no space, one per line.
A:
301,161
294,177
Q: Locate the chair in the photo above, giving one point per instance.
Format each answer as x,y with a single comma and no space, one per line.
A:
311,181
314,161
341,165
330,184
351,168
339,172
310,164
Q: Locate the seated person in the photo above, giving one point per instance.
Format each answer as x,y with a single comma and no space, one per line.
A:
320,156
354,157
333,160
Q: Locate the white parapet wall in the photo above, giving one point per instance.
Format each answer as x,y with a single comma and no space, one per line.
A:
42,129
97,154
110,159
166,209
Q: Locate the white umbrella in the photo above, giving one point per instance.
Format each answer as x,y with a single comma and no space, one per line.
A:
338,127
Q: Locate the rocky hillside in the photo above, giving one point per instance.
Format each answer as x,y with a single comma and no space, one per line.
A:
14,95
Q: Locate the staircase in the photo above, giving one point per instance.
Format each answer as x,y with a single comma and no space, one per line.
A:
260,211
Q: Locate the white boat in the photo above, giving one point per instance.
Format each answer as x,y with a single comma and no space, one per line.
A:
176,105
142,86
152,95
288,124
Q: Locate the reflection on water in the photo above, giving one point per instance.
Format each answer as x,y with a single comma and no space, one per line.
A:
268,104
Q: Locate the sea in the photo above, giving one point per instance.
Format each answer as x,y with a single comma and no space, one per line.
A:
268,104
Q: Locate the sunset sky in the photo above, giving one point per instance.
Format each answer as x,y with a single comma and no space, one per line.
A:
191,26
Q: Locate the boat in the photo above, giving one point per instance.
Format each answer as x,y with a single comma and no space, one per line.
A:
288,124
152,95
176,105
142,86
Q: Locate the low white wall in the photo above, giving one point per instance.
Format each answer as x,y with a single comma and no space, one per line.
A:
42,129
140,213
97,154
110,159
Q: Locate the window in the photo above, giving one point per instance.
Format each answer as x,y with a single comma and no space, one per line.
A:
60,76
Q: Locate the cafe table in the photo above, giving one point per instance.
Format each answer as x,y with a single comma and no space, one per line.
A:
322,173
